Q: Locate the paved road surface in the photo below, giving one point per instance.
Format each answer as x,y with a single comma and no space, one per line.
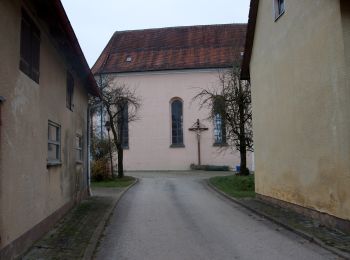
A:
176,216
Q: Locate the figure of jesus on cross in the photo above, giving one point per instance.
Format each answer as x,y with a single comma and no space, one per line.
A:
198,128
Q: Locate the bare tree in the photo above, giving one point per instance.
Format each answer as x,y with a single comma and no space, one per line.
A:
232,101
121,105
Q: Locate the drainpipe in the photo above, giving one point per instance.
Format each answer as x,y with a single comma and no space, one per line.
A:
89,153
2,100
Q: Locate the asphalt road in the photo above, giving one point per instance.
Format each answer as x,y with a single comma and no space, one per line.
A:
176,216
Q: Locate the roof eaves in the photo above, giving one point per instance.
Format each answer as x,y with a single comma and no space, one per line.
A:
53,14
164,69
72,39
96,69
253,13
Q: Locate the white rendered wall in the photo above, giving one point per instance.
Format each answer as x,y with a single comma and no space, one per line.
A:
150,136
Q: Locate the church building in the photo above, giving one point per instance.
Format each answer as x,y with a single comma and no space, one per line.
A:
167,67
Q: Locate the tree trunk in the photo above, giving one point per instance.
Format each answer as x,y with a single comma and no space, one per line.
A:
243,153
120,162
117,144
242,140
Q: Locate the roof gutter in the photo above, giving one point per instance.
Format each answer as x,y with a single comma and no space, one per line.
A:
253,13
92,86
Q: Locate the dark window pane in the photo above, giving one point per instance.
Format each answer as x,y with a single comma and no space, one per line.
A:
53,133
53,152
35,56
281,6
176,124
30,48
25,47
219,125
124,125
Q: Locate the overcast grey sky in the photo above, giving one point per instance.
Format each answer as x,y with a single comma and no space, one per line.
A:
95,21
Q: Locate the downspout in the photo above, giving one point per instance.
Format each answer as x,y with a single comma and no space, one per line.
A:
89,151
2,100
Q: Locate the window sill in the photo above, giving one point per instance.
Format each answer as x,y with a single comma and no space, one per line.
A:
278,16
177,146
220,144
125,147
53,163
79,162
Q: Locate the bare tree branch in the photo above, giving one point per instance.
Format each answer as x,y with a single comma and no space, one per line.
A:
232,99
117,99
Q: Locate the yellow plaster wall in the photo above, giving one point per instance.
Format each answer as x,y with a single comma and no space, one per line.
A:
301,108
29,190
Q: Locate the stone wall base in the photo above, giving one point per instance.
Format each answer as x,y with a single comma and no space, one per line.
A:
20,245
324,218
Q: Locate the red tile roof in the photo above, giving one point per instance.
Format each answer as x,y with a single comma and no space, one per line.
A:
173,48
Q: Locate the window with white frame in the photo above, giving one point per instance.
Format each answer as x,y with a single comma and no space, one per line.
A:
279,6
54,143
79,148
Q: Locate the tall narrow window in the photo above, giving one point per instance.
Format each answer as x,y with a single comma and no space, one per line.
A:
30,48
125,126
219,130
70,91
219,123
54,143
176,123
279,8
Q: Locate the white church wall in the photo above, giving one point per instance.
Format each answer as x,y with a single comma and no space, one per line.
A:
150,136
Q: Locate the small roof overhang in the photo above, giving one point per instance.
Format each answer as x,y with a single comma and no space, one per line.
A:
253,13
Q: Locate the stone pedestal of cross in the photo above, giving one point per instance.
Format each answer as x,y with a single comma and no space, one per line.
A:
198,128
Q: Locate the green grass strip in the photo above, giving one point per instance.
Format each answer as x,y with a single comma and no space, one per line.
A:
115,183
235,186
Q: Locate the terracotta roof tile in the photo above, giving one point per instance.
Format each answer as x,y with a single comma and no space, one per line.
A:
173,48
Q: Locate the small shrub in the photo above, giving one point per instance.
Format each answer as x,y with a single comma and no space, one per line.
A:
209,167
100,148
99,170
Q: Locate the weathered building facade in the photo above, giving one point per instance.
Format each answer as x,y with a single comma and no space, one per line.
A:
298,58
44,85
167,67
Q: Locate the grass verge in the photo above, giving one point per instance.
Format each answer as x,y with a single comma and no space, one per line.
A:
114,183
235,186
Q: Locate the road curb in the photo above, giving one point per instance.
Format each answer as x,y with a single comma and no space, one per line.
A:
276,221
90,249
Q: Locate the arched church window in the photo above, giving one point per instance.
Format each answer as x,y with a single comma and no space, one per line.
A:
176,122
219,123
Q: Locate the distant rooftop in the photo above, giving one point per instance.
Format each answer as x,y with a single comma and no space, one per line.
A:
173,48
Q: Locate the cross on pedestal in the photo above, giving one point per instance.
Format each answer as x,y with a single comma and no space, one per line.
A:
198,128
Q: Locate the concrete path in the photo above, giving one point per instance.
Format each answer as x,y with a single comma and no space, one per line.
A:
176,216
